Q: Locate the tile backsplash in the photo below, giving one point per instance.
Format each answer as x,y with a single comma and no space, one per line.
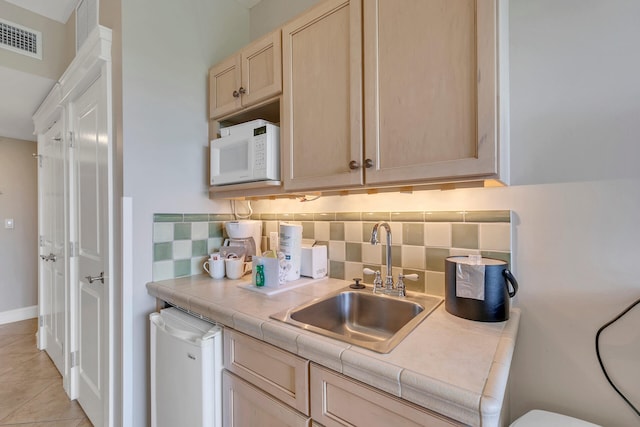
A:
420,241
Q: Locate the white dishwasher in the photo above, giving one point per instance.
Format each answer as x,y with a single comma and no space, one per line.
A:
186,369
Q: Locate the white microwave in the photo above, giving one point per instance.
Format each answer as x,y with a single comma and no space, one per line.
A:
245,153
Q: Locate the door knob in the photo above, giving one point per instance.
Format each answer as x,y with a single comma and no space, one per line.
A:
50,257
242,90
354,165
92,279
236,94
368,163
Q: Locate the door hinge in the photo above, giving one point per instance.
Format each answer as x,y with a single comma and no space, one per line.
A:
41,240
72,142
73,359
73,249
41,320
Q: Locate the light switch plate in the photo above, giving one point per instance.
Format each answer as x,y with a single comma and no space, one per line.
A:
8,223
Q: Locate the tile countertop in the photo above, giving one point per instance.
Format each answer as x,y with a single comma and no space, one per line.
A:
450,365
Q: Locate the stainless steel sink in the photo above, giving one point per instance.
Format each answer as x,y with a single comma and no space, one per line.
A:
359,317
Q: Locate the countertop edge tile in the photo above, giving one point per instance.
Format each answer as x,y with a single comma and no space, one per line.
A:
379,374
321,351
451,401
279,336
248,325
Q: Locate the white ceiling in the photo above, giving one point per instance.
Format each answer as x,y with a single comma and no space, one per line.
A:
58,10
27,91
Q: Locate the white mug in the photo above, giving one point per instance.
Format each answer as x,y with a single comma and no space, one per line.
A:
235,267
215,268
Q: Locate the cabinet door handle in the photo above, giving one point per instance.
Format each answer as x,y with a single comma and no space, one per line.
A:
91,279
236,94
242,90
354,165
368,163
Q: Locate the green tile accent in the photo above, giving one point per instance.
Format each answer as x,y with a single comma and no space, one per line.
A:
413,233
354,252
366,232
168,217
181,231
336,231
215,229
464,236
407,216
196,217
348,216
199,248
221,217
285,217
435,258
336,269
504,256
488,216
182,267
162,251
326,216
443,216
415,285
435,284
303,216
268,216
396,255
308,230
376,216
368,278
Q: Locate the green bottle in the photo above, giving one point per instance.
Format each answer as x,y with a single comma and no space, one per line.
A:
259,275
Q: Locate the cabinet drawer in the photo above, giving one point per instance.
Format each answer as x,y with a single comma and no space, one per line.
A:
245,405
340,401
281,374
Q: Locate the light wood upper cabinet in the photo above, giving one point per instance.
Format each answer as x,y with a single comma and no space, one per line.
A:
247,78
430,73
321,126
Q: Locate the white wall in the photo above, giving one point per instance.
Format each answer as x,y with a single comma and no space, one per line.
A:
167,50
270,14
18,246
575,110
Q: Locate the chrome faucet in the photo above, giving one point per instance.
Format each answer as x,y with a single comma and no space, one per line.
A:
388,283
400,290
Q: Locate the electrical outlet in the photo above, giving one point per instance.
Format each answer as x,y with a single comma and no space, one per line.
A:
8,223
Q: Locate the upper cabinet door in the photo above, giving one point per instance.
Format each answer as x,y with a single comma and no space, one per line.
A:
262,69
430,90
224,84
247,78
321,125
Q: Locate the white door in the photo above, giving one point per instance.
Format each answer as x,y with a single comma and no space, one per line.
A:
52,189
90,233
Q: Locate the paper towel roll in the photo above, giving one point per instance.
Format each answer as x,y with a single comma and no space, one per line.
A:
290,245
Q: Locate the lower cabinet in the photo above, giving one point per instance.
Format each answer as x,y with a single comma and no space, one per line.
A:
266,386
245,405
340,401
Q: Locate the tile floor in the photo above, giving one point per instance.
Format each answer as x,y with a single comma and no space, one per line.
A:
31,393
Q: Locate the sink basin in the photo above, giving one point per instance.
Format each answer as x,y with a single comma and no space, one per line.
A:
360,317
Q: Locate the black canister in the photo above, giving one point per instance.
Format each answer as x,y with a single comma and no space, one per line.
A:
478,288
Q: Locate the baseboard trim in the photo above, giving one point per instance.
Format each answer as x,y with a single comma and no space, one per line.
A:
18,314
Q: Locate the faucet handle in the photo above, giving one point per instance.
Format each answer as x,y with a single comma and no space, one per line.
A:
368,271
400,287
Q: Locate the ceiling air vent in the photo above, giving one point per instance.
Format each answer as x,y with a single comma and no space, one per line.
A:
19,39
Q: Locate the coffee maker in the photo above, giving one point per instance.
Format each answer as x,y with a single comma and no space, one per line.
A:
244,235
